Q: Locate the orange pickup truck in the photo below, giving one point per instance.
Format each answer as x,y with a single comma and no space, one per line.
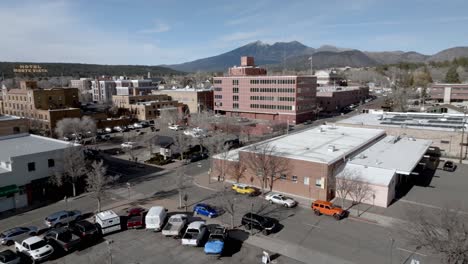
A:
327,208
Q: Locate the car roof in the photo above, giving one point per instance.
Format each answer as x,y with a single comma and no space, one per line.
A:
7,253
203,205
32,240
196,225
179,216
241,184
12,230
59,213
323,202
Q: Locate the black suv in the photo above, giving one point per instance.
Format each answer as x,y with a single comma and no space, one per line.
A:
264,224
85,230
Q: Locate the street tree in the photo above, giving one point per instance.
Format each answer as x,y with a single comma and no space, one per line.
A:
266,163
181,142
74,165
452,75
98,182
443,232
228,204
237,170
181,184
344,184
359,191
77,126
216,146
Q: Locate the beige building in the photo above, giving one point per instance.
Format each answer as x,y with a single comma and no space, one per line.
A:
144,107
196,99
10,125
44,107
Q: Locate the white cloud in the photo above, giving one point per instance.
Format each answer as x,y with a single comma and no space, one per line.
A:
52,32
158,27
241,36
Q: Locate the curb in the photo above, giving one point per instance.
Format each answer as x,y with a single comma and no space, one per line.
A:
361,219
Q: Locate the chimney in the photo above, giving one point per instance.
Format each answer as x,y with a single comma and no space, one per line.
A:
247,61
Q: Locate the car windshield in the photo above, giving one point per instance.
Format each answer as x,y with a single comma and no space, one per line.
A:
135,218
216,237
50,219
176,220
38,245
2,235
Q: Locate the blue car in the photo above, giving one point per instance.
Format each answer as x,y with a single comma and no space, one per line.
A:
204,209
215,243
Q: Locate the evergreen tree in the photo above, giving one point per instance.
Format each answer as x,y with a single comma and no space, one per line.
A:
452,75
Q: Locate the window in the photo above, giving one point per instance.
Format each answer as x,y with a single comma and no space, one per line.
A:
283,177
306,180
294,179
235,90
31,166
218,89
218,96
218,81
235,98
318,183
235,82
16,130
235,105
51,163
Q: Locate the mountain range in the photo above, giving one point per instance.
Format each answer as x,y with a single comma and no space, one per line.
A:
295,56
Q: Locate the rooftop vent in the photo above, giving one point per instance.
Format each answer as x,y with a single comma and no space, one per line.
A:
322,130
362,156
331,148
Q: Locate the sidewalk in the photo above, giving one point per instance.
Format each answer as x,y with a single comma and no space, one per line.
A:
364,215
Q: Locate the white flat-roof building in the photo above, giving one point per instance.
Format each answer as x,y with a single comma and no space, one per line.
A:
26,162
316,156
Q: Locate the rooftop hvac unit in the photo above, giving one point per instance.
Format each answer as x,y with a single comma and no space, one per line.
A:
331,148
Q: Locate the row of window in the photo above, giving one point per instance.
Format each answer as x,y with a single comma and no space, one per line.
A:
278,107
262,98
32,165
218,89
286,99
305,107
272,90
218,81
273,81
218,96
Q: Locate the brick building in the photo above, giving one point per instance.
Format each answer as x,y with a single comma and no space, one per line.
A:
196,99
248,92
449,92
144,107
334,99
10,125
44,106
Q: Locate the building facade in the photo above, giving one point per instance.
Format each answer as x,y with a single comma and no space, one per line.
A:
196,99
334,99
144,107
248,92
26,163
10,125
328,77
44,107
84,89
102,90
449,92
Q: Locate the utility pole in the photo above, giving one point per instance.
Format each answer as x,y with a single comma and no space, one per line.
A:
463,135
311,65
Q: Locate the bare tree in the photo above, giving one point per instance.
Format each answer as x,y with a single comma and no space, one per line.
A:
182,143
360,190
170,116
228,204
237,170
267,164
216,145
74,165
181,180
98,181
443,232
84,126
344,184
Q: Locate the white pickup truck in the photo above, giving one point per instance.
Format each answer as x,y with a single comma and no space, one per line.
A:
174,225
195,234
34,247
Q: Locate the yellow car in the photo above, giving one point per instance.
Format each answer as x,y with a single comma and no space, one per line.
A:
244,189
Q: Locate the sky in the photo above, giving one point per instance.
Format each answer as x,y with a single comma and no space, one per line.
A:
155,32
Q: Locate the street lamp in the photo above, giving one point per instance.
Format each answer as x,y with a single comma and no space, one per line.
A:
463,135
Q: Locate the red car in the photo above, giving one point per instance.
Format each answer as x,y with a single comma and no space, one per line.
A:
136,217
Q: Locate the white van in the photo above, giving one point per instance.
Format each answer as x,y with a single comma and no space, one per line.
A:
108,222
155,218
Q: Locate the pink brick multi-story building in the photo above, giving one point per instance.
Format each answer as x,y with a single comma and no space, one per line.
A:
248,92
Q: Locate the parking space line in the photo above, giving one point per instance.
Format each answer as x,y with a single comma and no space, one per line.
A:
411,251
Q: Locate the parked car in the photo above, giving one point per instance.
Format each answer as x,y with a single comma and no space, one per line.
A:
144,124
136,217
85,230
205,209
7,237
174,225
108,129
244,189
137,125
449,166
195,234
108,222
128,145
118,129
175,127
61,218
9,257
62,238
327,208
255,221
216,240
34,247
131,127
280,199
155,218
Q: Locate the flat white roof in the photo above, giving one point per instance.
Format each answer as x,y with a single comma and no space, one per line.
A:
316,144
371,175
399,153
8,117
25,144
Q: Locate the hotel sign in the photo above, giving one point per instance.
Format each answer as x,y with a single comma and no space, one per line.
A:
29,68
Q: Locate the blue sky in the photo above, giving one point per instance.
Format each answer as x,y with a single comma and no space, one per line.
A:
157,32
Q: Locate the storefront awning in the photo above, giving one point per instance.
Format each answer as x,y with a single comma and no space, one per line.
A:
7,190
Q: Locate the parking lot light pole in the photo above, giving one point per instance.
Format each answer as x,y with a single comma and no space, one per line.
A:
463,135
